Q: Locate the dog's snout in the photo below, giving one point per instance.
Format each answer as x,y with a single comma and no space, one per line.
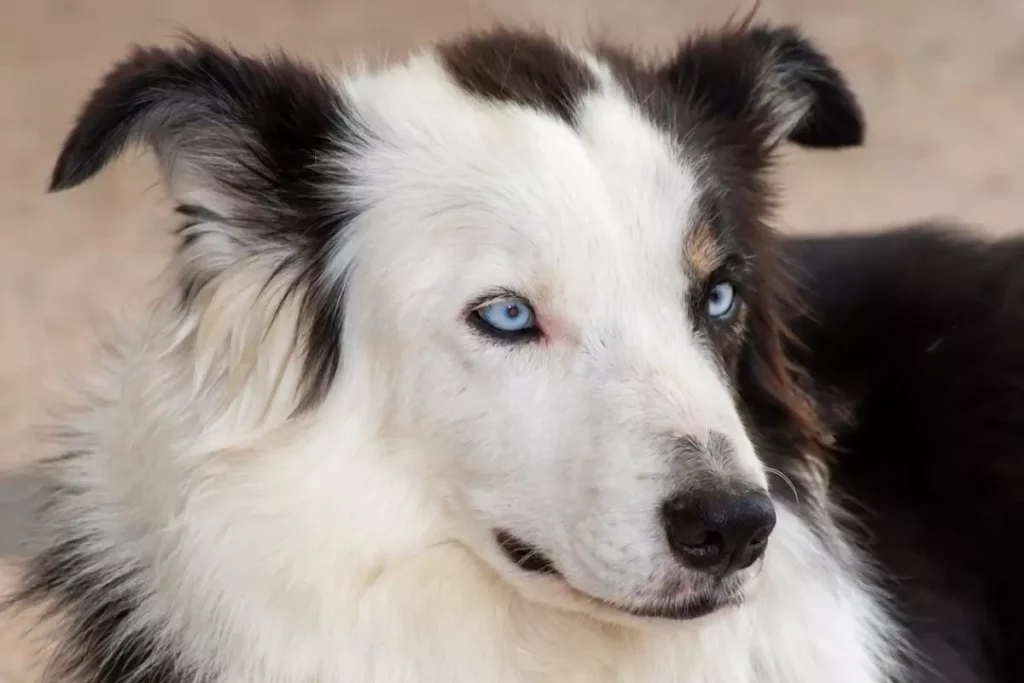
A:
719,532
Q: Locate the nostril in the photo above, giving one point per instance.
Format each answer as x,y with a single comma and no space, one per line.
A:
709,547
754,550
760,537
692,533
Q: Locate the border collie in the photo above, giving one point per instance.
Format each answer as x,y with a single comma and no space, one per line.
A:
487,367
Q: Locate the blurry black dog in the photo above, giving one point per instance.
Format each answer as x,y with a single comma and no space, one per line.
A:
915,336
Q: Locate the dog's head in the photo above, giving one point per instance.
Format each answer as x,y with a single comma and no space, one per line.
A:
548,270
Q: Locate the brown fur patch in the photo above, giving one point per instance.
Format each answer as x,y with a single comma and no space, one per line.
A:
521,68
702,250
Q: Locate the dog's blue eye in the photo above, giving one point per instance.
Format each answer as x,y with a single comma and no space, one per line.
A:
721,300
507,315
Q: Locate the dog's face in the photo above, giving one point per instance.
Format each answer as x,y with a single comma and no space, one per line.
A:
552,266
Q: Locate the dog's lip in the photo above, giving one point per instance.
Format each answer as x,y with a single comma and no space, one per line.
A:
530,559
683,611
523,555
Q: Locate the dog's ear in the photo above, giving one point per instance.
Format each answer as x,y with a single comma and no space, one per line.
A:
253,151
771,79
239,140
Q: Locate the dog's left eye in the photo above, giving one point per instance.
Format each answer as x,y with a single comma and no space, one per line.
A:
721,300
509,316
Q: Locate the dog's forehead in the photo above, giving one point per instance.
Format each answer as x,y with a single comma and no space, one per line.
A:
541,136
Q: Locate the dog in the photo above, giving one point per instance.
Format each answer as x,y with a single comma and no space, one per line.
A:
488,366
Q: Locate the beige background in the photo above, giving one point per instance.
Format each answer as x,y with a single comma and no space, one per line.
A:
942,82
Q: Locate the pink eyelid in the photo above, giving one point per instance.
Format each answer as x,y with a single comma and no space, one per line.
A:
555,328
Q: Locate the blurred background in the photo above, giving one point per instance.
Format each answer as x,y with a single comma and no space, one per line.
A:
942,83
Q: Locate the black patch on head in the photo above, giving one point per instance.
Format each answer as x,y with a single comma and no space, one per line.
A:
97,606
521,68
257,132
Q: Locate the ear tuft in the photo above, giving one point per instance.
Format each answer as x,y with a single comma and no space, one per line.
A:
219,122
833,117
255,153
771,80
152,89
107,122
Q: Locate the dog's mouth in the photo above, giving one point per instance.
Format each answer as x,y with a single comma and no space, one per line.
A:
531,560
523,555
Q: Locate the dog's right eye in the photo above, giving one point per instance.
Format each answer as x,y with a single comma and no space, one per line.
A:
508,317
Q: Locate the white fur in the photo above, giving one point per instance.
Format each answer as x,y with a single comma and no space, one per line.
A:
352,543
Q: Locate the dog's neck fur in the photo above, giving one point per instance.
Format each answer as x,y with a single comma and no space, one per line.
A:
376,569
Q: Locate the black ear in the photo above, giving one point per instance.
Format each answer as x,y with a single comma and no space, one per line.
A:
236,136
773,79
253,151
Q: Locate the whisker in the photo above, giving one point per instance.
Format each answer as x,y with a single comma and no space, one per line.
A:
789,482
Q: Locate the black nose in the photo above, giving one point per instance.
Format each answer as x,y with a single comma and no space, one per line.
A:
719,532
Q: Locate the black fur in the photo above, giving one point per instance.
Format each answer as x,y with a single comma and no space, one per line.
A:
257,131
918,335
748,75
94,602
519,67
96,607
834,118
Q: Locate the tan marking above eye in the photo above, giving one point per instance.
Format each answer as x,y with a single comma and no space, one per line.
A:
702,250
